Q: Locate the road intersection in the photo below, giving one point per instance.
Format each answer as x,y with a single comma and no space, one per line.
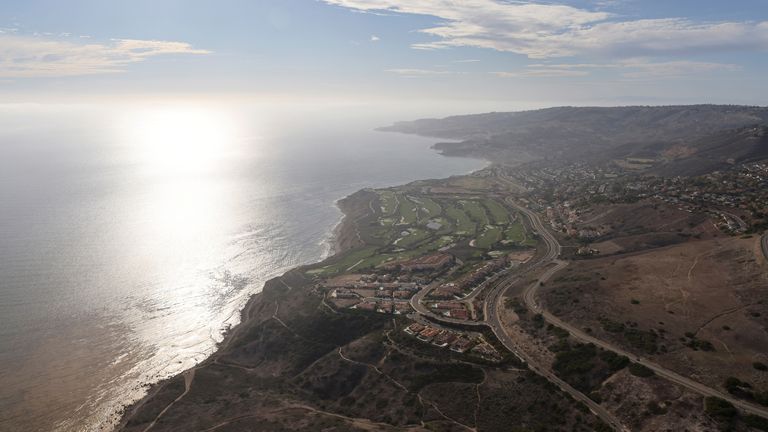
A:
494,301
529,297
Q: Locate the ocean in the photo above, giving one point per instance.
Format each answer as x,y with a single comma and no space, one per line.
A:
132,234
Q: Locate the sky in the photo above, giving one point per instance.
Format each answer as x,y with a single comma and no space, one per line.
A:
539,53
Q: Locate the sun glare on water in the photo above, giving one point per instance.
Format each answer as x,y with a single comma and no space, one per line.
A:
180,139
181,157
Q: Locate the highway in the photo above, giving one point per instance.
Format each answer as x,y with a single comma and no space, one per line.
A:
494,302
418,305
494,322
417,301
529,296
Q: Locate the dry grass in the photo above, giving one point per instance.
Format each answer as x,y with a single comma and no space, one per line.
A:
710,289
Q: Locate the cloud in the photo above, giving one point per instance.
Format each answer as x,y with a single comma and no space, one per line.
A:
542,73
375,38
420,72
29,56
674,69
466,61
543,31
632,68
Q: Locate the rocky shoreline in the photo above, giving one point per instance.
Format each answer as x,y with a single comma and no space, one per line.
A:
343,238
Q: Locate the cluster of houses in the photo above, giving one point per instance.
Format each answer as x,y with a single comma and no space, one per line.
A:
450,309
575,178
737,188
455,341
564,218
462,287
379,293
384,306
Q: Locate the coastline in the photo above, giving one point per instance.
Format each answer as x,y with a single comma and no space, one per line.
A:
343,237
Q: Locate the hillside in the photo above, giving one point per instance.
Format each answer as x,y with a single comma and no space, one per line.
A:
569,133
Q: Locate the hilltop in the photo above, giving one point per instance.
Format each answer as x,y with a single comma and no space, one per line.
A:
595,133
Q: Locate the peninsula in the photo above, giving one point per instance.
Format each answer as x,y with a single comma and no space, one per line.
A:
605,278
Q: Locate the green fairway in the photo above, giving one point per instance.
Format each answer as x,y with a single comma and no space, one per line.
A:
407,210
388,202
416,236
476,212
351,260
515,232
462,223
428,209
499,213
489,237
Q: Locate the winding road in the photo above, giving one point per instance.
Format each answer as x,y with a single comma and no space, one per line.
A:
495,301
529,296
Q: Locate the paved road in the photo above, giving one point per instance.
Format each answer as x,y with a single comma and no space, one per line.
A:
494,321
529,297
417,301
495,302
418,306
742,225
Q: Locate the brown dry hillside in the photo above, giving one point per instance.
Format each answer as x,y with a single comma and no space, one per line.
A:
698,306
579,132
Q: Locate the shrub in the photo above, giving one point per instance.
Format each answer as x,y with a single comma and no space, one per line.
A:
719,409
756,422
614,361
639,370
612,326
761,398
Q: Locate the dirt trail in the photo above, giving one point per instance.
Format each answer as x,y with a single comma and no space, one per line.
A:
189,376
358,422
722,314
375,368
479,398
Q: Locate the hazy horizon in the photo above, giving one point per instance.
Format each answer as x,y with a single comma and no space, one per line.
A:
573,52
160,160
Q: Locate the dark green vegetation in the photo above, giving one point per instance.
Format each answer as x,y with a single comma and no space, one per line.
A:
728,417
534,403
585,366
516,305
720,409
745,390
646,341
696,344
641,371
